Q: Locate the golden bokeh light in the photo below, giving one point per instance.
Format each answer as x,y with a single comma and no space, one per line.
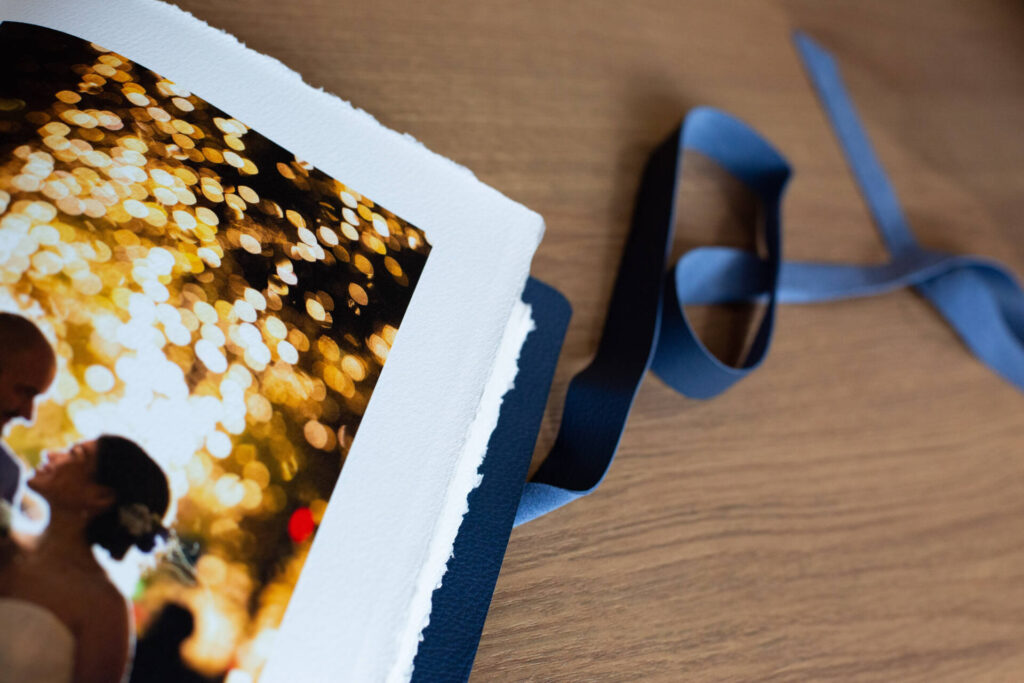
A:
224,303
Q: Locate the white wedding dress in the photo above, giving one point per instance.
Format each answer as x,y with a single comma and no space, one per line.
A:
35,646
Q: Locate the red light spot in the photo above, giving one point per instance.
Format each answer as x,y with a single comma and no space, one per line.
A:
301,525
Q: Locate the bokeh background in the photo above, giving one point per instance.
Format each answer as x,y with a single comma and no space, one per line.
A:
209,295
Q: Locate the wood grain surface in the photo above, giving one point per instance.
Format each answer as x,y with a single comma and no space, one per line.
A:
855,509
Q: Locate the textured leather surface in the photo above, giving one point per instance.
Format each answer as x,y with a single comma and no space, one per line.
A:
459,606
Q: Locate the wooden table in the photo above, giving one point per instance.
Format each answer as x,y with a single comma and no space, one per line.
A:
854,510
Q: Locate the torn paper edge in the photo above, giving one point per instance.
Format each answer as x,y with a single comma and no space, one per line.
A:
466,479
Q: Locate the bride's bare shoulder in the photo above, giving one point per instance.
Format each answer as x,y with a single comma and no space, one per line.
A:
104,599
89,598
112,610
103,640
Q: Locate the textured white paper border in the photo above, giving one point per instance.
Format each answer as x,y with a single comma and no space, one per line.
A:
391,522
465,478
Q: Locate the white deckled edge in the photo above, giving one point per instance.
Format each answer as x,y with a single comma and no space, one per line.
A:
467,478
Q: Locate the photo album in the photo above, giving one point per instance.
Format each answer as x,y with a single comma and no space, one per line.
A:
252,348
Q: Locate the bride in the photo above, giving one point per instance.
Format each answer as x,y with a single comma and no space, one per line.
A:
61,619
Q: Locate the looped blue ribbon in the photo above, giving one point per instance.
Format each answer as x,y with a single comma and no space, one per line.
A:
647,326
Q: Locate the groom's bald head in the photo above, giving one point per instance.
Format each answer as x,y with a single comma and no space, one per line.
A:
27,366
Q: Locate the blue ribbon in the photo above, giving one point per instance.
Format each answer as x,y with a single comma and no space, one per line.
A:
647,326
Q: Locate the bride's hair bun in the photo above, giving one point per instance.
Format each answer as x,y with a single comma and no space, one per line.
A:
141,498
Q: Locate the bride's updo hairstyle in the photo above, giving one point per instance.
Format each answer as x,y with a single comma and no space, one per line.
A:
141,498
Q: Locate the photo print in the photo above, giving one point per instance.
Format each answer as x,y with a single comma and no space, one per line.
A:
192,321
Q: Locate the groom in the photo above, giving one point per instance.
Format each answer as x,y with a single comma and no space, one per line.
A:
27,367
